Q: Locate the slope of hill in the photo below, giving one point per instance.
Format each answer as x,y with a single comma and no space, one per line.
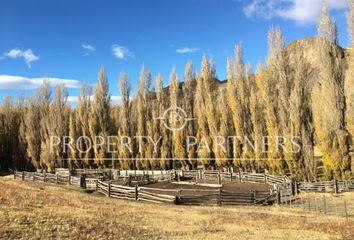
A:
37,211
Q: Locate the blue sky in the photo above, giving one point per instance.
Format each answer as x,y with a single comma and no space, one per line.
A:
69,40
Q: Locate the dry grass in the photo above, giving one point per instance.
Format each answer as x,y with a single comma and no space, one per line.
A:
37,211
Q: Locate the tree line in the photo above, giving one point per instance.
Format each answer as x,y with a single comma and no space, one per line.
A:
304,89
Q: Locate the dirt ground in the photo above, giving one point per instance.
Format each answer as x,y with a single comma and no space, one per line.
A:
230,187
47,211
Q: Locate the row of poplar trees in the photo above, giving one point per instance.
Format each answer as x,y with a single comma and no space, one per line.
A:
295,93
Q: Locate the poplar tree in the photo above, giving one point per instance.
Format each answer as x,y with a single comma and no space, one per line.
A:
257,111
272,99
73,133
162,105
10,113
142,113
124,120
58,122
99,119
301,161
44,100
2,140
235,71
24,161
82,121
32,132
210,94
203,150
349,81
223,150
329,108
178,147
188,106
326,28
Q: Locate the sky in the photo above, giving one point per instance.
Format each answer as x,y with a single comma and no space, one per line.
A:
69,40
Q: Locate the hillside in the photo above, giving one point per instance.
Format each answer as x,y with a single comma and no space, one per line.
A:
37,211
304,48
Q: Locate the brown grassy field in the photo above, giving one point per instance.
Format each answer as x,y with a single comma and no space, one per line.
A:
38,211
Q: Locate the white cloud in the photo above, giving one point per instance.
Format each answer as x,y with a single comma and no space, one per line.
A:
24,83
88,48
187,50
121,52
301,11
114,99
73,99
13,53
27,55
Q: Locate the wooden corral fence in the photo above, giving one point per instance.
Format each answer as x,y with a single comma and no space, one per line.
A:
206,176
184,196
219,177
134,193
285,190
49,178
155,195
335,186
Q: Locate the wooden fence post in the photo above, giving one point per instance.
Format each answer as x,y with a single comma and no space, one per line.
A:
179,193
96,183
69,178
56,178
335,206
219,177
279,197
44,176
254,196
296,188
292,185
335,186
15,174
109,189
265,177
219,197
240,174
230,176
23,175
136,193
